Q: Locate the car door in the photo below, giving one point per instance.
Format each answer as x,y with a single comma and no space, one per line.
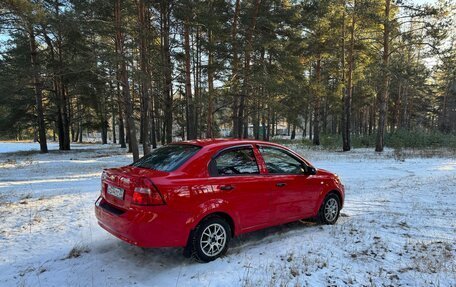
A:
236,173
295,191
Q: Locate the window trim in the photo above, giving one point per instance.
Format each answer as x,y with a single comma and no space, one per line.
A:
304,164
212,167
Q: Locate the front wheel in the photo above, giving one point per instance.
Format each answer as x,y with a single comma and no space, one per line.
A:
329,210
210,239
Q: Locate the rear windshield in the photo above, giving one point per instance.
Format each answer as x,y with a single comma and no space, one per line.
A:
167,158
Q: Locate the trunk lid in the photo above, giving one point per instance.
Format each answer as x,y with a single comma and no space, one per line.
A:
118,184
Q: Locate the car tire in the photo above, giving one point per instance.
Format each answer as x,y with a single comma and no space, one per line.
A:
329,209
210,239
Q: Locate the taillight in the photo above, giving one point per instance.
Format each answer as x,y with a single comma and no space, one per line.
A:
104,176
146,193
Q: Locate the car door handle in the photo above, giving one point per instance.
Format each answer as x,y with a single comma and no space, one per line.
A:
281,184
226,187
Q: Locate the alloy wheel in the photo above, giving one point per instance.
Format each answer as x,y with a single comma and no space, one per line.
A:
213,239
331,209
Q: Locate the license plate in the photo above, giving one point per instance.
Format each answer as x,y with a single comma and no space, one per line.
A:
115,191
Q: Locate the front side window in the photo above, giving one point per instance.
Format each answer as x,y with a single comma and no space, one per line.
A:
280,162
236,162
167,158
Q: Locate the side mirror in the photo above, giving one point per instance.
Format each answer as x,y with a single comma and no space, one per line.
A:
311,170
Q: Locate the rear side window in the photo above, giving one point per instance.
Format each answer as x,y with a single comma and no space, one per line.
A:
236,162
167,158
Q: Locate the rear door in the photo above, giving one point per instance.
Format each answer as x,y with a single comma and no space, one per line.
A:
295,191
235,172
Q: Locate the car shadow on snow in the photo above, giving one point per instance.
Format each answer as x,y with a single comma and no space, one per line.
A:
173,257
270,234
124,252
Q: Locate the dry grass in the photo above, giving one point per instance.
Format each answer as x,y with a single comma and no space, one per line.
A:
77,251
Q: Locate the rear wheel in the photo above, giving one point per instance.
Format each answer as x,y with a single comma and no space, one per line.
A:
330,209
210,239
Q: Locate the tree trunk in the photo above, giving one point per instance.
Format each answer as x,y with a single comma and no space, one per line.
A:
346,123
56,82
397,106
71,117
113,114
60,130
190,123
120,115
306,117
127,128
210,84
38,92
196,79
80,113
62,92
128,106
242,119
404,108
76,134
235,71
80,131
324,114
317,104
103,119
65,119
167,69
263,124
293,132
256,120
310,125
145,77
383,99
104,132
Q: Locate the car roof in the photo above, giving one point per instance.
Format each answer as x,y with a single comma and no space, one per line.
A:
218,142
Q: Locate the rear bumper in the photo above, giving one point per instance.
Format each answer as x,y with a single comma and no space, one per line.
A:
145,227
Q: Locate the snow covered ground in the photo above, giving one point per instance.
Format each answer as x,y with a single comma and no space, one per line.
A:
398,228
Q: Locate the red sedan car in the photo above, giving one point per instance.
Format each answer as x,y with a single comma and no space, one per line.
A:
198,194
